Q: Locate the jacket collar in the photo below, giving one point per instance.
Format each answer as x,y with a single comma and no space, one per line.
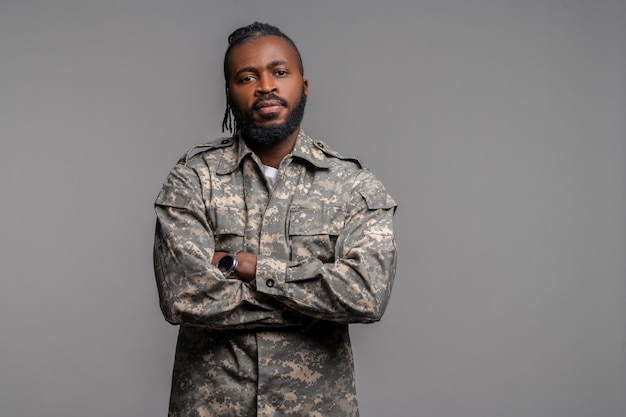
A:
305,148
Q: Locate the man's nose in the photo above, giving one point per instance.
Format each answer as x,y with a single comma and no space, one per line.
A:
266,84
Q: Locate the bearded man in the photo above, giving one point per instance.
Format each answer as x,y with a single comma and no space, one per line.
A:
268,245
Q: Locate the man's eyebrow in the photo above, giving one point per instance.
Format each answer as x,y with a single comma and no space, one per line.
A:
276,63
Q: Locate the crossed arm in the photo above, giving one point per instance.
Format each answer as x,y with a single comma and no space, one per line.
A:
355,287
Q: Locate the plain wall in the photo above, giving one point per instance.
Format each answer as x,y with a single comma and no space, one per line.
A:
498,126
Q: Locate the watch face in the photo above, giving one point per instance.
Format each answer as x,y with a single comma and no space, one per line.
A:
226,263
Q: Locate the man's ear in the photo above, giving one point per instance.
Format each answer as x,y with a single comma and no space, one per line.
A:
306,86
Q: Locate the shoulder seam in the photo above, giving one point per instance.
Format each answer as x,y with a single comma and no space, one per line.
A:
322,146
197,149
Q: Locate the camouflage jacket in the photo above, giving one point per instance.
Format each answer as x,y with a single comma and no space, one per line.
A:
326,257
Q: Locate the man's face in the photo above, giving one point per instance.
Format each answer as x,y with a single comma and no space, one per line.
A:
267,90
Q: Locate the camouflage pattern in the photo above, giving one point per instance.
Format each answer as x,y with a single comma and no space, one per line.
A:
326,257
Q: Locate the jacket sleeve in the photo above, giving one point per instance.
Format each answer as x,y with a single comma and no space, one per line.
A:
191,290
356,286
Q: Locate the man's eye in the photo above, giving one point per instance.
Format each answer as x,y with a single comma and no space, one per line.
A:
280,73
247,78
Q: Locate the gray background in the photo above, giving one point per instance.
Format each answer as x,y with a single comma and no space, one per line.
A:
498,126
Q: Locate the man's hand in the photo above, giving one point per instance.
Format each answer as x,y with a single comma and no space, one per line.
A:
246,265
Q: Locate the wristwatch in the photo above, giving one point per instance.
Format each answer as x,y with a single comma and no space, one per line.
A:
227,264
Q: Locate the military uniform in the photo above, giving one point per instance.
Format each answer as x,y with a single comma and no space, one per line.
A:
326,257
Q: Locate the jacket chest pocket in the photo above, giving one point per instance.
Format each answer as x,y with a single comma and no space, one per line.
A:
313,232
229,228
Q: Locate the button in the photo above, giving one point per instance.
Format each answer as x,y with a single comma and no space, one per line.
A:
269,283
225,141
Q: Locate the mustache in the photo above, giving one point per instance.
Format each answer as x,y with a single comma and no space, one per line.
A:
269,97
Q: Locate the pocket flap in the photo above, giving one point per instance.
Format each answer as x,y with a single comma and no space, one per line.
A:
229,221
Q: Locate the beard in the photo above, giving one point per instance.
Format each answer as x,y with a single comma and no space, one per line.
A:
266,135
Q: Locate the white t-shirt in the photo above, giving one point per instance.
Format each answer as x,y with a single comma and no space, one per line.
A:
270,175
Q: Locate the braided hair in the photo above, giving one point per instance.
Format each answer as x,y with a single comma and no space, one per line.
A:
240,36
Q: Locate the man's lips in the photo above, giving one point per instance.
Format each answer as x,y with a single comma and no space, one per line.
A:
268,106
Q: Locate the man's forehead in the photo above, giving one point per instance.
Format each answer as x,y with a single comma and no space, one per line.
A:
263,51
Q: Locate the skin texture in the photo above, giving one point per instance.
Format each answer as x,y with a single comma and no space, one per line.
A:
266,84
259,70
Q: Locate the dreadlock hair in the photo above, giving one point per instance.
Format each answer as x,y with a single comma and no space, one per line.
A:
240,36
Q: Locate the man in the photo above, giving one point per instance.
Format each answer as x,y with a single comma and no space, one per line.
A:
268,244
